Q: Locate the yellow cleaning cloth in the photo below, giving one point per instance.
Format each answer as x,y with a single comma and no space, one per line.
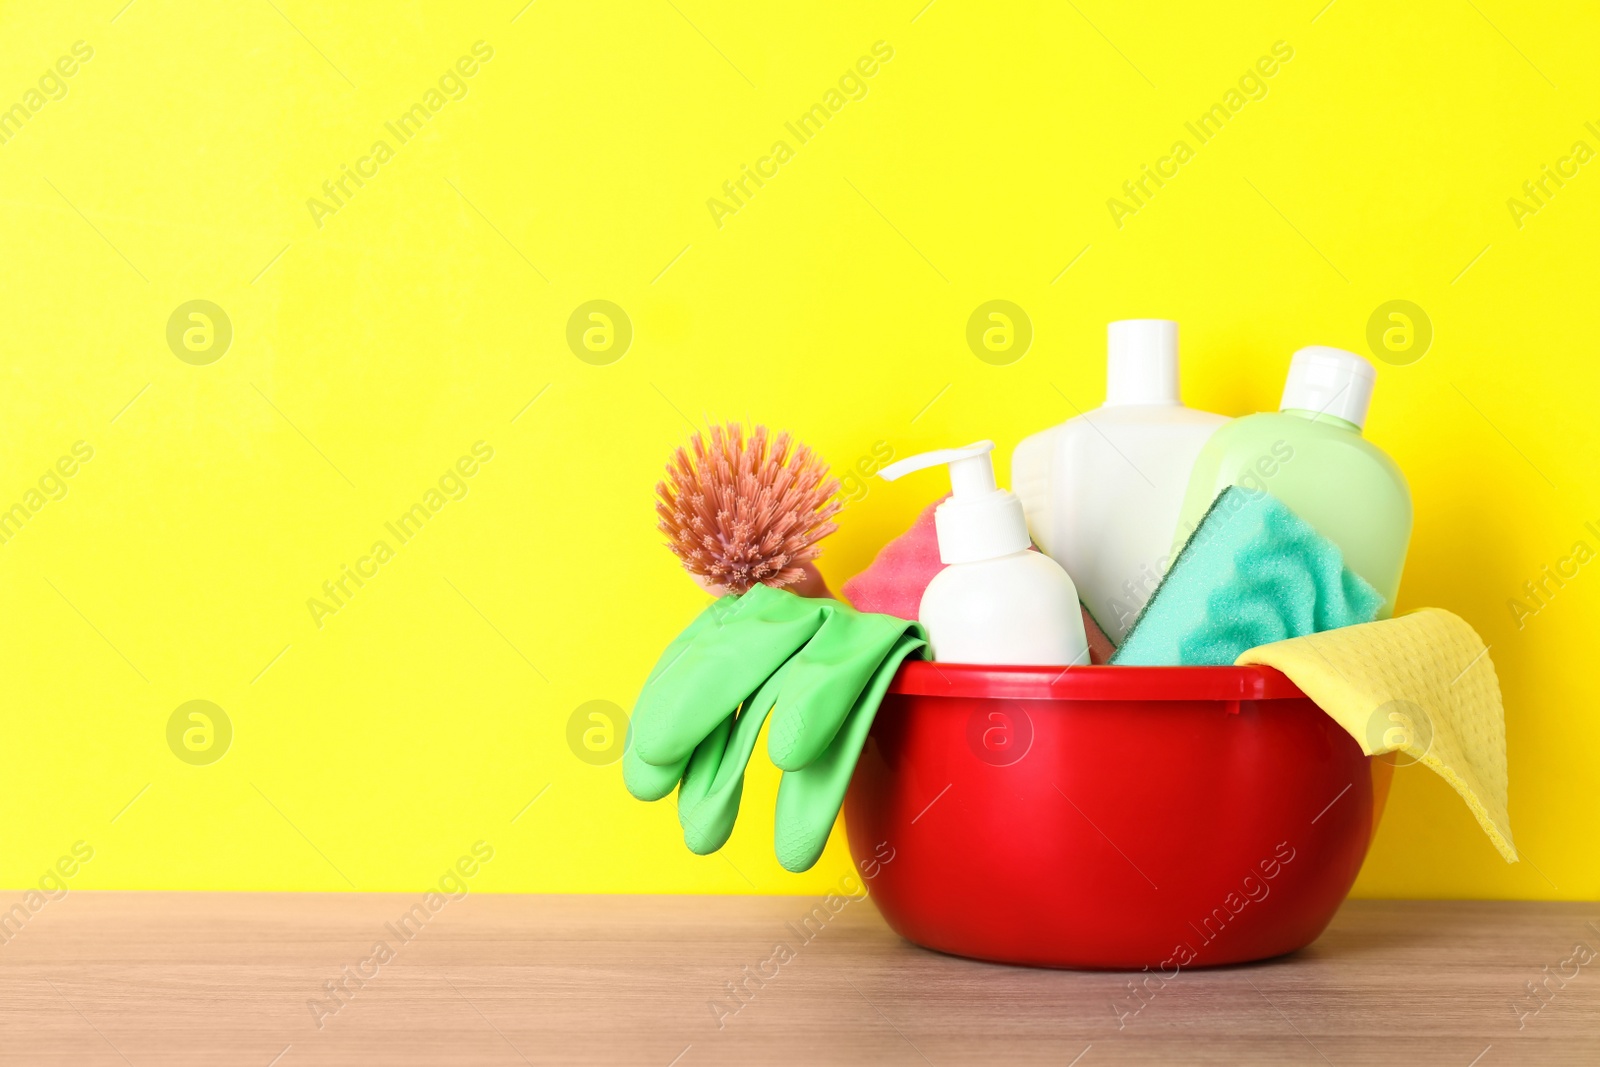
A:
1421,684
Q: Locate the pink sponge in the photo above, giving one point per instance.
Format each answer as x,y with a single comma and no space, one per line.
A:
903,568
894,583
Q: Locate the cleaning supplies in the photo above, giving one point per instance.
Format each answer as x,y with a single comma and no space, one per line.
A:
1252,573
818,667
1311,456
1102,490
899,574
740,512
995,601
1421,684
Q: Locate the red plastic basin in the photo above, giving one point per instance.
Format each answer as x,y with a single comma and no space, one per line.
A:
1109,817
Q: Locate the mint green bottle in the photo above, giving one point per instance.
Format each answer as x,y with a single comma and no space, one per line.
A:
1311,455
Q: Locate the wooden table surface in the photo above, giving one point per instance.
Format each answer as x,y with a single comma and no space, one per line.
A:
214,978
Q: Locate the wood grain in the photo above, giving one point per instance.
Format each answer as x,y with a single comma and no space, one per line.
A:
210,978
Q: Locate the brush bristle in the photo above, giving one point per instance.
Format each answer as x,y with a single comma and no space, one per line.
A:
739,513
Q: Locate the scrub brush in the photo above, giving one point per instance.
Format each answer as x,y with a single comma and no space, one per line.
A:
742,512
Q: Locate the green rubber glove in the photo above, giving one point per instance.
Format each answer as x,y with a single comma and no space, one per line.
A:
823,666
705,674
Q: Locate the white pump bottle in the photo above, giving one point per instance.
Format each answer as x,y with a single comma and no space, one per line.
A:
996,601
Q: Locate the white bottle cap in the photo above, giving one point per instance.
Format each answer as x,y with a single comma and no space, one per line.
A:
1142,362
980,520
1329,381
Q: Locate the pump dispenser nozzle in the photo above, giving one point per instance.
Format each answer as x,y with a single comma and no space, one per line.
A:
980,520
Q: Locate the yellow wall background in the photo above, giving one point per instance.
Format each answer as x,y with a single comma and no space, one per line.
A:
373,345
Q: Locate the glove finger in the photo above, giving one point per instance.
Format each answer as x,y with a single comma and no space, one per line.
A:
702,772
647,781
829,676
688,696
809,799
709,821
644,780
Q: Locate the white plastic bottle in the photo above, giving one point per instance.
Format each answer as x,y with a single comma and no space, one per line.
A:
1102,491
996,601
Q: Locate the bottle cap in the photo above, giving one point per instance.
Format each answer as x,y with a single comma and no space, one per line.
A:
1329,381
1142,362
980,520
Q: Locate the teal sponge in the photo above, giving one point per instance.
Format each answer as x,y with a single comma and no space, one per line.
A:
1253,572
